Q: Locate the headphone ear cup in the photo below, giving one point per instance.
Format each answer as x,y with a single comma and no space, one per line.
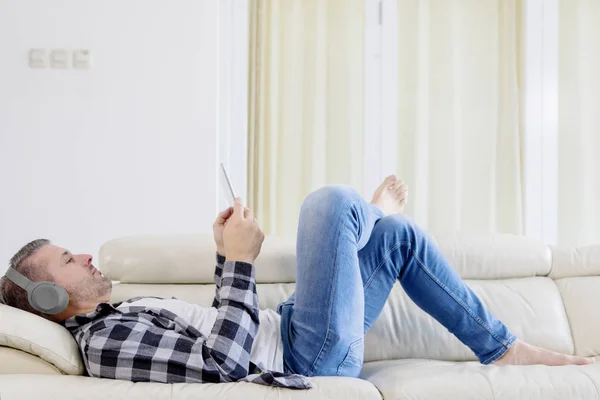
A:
48,297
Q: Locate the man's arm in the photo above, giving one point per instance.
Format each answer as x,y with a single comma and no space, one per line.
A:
218,274
161,347
166,350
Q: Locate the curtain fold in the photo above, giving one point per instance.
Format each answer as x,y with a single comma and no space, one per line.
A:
459,139
459,144
579,122
306,104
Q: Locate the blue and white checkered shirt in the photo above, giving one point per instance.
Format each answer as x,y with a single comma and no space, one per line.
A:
154,345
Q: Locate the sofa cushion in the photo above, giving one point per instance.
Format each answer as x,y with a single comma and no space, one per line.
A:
530,307
188,259
19,387
495,255
37,336
581,297
439,380
570,261
14,361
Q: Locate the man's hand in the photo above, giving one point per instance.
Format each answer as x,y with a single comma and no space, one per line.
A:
242,236
218,227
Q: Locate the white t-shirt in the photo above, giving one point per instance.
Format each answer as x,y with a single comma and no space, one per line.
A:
267,350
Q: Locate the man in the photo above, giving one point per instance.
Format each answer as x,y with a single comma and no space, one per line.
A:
349,255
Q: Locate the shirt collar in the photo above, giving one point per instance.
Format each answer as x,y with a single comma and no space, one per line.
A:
75,322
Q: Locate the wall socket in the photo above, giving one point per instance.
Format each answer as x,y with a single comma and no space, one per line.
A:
82,59
37,58
59,59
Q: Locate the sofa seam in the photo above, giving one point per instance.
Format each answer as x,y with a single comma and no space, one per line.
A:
564,307
489,384
551,262
562,300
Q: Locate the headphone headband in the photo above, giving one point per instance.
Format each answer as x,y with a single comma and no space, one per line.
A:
17,278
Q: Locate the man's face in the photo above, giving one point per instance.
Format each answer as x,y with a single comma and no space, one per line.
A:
74,272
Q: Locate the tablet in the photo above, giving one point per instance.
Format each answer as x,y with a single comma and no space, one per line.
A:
226,185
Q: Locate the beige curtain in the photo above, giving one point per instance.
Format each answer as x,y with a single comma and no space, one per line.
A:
306,104
579,122
459,141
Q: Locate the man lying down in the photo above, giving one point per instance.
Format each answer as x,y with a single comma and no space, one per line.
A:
349,255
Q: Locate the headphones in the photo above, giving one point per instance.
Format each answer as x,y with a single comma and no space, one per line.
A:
45,297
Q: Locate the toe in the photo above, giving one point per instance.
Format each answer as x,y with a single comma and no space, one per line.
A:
391,179
396,185
400,190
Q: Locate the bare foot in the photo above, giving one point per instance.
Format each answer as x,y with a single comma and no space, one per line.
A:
391,196
522,353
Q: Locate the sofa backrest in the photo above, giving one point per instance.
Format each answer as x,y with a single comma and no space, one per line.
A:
522,281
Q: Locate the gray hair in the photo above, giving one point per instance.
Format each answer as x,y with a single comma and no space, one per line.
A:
11,294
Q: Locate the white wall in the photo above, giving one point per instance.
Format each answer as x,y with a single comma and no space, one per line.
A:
124,148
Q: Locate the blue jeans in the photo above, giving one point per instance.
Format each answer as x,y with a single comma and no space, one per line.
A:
349,255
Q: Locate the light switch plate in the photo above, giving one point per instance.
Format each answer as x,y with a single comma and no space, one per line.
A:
59,58
37,58
82,59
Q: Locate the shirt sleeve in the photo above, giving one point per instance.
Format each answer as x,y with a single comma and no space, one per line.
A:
157,347
218,274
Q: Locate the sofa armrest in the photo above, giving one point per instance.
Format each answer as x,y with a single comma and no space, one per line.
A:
18,362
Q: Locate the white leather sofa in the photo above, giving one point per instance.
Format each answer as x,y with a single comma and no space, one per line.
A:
549,297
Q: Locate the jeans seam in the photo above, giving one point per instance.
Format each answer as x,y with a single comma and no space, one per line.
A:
384,258
351,347
500,351
319,356
469,311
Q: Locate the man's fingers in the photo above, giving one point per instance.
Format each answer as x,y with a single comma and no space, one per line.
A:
248,214
238,208
226,213
223,216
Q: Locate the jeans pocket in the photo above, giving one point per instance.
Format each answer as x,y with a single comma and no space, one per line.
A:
353,362
284,304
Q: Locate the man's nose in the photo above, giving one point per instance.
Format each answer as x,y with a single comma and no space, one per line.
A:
86,259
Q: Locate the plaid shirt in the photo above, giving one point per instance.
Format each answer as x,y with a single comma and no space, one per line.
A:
142,344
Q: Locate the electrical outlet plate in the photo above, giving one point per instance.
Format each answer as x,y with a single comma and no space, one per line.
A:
59,59
82,59
37,58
